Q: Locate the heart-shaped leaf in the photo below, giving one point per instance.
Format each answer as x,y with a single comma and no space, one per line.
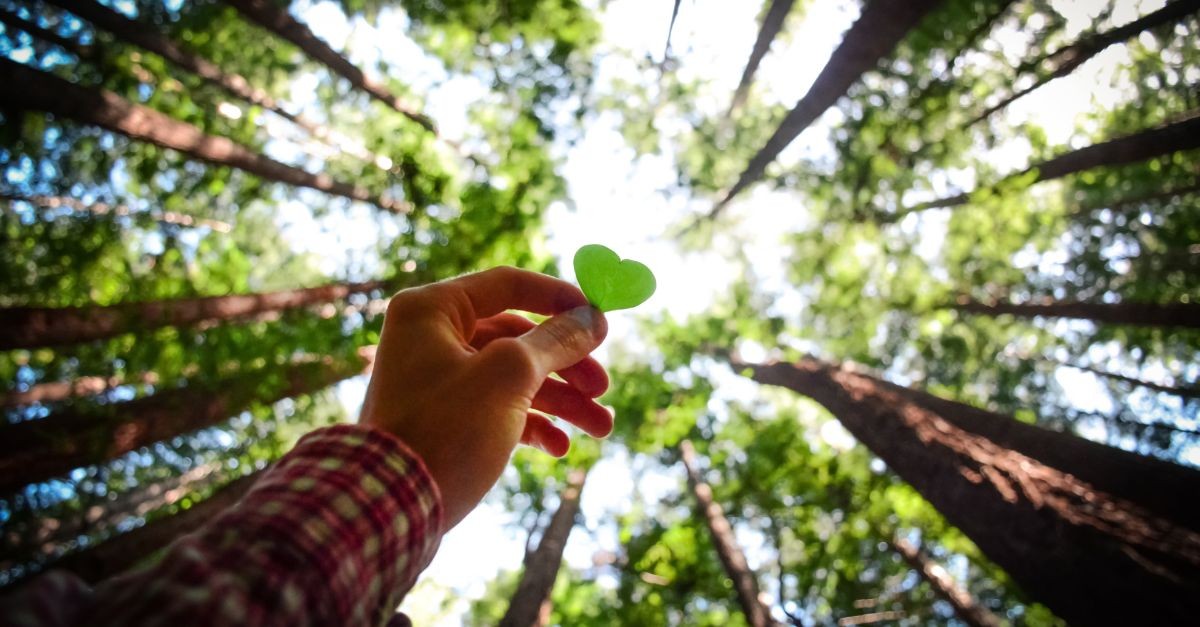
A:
609,282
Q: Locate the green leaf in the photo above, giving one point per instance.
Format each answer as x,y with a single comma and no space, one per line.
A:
609,282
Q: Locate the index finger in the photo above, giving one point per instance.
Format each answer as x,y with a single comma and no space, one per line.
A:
498,289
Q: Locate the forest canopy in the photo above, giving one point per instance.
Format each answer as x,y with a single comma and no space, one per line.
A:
925,347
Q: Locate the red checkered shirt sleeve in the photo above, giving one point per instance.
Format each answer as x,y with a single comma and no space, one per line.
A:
335,533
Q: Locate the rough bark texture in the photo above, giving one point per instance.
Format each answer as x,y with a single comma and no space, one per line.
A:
1164,140
771,25
1063,61
966,607
1169,315
234,84
277,20
541,566
38,450
882,25
41,91
732,558
1072,522
100,208
128,549
31,327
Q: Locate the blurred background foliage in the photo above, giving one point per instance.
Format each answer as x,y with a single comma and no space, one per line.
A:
93,218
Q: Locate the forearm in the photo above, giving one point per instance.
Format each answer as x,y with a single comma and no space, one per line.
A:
335,533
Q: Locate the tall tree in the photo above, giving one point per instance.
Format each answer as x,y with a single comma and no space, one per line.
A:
732,558
1065,60
127,550
54,391
8,18
236,85
37,450
29,327
1182,391
45,92
542,564
966,607
880,27
100,208
277,20
1164,140
772,23
1082,521
1165,315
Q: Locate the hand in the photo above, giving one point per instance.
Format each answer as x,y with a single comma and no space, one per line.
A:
455,377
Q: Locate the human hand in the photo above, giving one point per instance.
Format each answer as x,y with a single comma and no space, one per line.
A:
455,376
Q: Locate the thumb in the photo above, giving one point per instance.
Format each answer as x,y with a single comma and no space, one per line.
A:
565,339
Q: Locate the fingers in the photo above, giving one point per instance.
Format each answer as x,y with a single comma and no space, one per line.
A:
565,340
564,401
587,376
541,433
493,291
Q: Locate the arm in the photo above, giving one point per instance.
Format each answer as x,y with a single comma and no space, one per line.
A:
338,530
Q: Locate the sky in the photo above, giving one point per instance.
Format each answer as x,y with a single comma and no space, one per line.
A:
615,200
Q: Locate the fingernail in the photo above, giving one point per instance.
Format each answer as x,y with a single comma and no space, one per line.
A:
585,316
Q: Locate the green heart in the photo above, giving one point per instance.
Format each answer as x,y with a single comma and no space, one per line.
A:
610,283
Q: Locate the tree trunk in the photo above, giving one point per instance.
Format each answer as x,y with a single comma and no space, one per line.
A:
1063,61
234,84
277,20
13,20
104,517
126,550
1164,140
1073,522
966,607
41,91
56,391
1169,315
1182,391
881,26
99,208
771,24
39,450
541,566
32,327
732,558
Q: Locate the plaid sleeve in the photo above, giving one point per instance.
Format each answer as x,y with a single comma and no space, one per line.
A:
334,534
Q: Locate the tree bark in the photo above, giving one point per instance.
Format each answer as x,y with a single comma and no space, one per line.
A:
879,29
1063,61
128,549
31,327
41,91
732,558
965,605
771,25
1164,140
39,450
541,566
283,25
1168,315
232,83
100,208
1072,521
